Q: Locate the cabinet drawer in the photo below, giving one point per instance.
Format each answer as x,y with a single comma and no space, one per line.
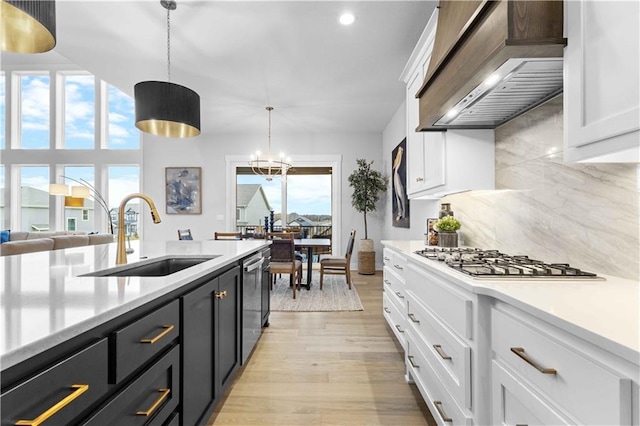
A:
441,404
393,284
515,404
71,386
588,391
395,261
448,354
395,319
451,305
148,400
138,342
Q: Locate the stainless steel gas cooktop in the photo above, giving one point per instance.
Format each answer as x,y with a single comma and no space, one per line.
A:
493,264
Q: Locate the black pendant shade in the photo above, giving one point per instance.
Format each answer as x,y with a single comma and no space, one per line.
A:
27,26
167,109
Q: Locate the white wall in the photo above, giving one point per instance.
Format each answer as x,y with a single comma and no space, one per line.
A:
419,210
209,151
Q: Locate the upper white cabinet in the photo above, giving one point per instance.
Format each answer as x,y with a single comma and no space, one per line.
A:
601,84
439,163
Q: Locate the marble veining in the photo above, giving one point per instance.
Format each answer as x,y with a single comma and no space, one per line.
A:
585,214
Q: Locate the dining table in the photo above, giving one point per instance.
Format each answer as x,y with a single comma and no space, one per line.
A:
309,244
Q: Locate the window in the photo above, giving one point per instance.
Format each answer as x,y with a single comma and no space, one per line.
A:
71,224
2,110
34,112
85,215
34,196
256,198
123,133
75,210
79,111
2,213
124,180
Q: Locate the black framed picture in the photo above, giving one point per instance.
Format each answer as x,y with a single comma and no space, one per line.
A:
400,201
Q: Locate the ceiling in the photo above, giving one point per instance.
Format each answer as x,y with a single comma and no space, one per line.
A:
240,56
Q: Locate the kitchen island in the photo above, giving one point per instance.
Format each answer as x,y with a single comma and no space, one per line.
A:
515,351
54,316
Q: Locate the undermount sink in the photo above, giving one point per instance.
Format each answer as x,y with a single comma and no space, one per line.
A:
152,268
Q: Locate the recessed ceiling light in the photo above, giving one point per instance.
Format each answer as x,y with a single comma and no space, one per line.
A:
347,18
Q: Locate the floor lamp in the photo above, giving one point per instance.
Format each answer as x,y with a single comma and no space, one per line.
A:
85,190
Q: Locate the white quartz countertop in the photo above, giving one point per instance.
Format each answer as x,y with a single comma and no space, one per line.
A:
45,302
604,312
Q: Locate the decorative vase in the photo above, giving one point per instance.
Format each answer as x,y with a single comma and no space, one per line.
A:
366,258
447,239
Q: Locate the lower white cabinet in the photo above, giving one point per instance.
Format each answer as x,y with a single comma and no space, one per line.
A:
394,298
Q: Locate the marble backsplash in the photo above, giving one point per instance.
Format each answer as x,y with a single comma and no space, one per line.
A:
584,214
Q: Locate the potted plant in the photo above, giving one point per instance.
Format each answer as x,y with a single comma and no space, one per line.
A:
367,186
447,227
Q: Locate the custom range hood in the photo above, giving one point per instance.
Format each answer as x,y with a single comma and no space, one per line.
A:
491,61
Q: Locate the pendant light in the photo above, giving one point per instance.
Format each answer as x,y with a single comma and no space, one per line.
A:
267,166
27,26
164,108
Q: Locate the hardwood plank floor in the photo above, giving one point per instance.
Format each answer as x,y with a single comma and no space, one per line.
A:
326,368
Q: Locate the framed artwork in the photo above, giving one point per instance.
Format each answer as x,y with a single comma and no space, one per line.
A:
432,234
400,201
183,187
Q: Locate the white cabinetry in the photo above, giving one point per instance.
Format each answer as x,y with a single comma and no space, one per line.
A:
601,84
394,293
541,374
439,163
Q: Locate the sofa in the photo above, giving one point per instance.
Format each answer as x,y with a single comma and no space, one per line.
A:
21,242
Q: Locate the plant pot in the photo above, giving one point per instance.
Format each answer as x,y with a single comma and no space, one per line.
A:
366,258
447,239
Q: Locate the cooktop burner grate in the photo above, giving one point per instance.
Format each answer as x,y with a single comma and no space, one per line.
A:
480,263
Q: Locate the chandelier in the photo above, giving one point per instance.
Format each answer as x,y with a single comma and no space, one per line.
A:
268,166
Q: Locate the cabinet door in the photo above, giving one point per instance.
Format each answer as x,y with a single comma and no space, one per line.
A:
227,329
434,159
197,351
602,89
415,141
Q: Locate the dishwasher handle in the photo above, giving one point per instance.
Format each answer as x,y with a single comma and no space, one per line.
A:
257,264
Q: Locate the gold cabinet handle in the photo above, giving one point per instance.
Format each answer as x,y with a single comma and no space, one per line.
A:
399,295
438,349
413,318
79,390
154,407
387,310
444,417
398,267
167,330
414,365
399,329
521,354
221,294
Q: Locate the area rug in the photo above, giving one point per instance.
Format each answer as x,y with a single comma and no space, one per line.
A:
334,296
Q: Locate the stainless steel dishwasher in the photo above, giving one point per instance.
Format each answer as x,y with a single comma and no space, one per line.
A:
251,303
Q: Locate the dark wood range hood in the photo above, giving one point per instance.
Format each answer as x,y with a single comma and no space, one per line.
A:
491,61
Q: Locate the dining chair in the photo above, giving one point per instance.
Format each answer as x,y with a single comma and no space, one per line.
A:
227,235
185,234
339,265
279,236
283,261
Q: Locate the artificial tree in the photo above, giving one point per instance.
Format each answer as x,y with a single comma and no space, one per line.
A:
367,186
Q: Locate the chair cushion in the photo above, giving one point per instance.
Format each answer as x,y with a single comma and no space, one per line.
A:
333,261
26,246
95,239
5,236
283,267
69,241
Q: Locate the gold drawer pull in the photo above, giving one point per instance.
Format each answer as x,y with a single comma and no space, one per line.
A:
438,349
521,354
79,390
419,179
399,329
398,267
167,330
221,294
410,357
387,310
438,405
413,318
154,407
399,295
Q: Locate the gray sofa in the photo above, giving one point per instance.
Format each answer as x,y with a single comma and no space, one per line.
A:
21,242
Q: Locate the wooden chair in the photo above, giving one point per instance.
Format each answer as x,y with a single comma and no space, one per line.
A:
339,265
283,261
279,236
227,235
184,234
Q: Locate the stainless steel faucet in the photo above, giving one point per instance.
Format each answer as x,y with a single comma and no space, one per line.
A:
121,255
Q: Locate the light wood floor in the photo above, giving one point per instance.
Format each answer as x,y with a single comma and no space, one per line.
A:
326,368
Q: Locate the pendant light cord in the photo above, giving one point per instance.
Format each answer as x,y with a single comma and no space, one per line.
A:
168,45
269,135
